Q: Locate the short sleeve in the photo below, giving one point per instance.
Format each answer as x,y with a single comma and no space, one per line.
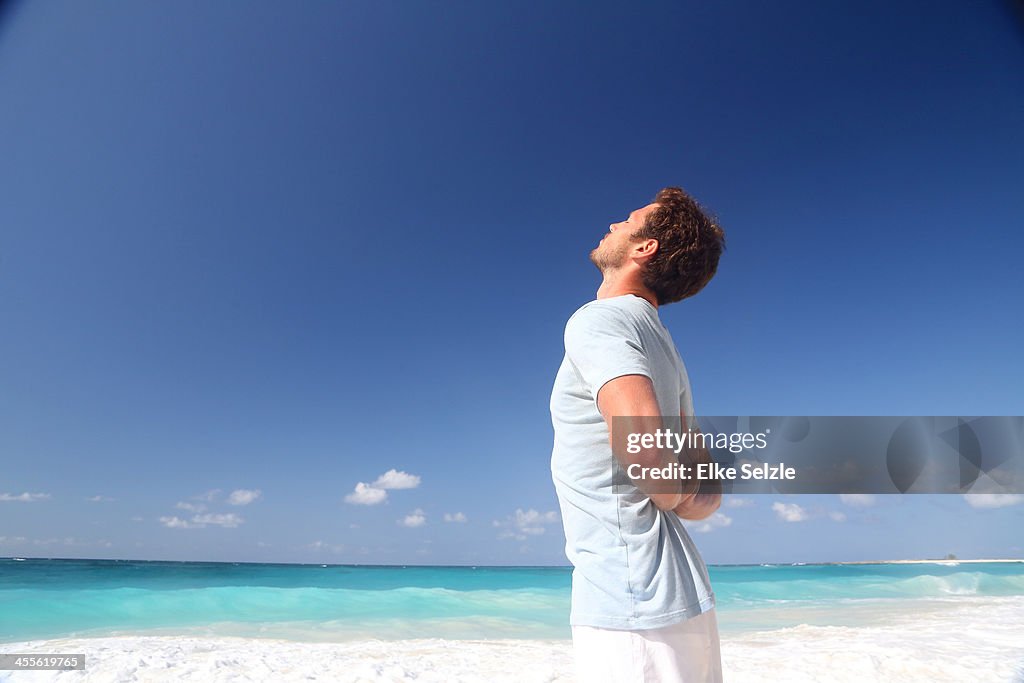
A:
602,343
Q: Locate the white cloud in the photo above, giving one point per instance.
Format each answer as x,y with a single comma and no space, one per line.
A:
229,520
99,499
532,522
863,500
525,523
365,494
734,502
24,497
12,539
176,523
209,495
993,500
716,521
988,493
393,479
457,517
191,507
837,516
789,512
137,519
244,496
414,519
377,492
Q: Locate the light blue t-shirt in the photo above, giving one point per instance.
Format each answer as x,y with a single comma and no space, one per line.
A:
634,566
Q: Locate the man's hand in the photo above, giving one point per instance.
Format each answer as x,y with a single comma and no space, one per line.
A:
699,506
708,497
633,396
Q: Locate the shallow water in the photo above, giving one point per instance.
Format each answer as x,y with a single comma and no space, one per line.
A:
65,598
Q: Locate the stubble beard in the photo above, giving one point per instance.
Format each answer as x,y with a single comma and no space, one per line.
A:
606,261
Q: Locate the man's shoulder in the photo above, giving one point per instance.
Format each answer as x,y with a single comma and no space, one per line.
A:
615,308
604,316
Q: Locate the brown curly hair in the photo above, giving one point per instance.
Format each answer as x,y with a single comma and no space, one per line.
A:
690,242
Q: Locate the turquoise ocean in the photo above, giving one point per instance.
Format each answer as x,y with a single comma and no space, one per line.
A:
51,598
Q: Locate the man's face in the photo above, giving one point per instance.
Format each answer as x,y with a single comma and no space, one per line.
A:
613,250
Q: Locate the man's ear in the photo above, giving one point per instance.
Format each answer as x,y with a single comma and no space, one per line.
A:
645,249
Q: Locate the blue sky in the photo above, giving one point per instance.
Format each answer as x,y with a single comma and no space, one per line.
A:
289,249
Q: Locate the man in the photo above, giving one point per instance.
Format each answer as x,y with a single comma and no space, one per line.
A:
642,604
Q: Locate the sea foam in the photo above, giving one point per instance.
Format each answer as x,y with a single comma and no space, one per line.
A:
968,639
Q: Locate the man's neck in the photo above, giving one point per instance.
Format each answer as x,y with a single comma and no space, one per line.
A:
613,286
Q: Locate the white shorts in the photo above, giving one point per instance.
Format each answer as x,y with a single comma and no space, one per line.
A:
685,652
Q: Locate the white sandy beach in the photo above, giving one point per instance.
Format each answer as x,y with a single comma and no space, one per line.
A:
979,641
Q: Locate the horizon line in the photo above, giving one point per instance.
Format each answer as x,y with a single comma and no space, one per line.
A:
944,560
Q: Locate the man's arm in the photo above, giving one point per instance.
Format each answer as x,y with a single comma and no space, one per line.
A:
708,497
633,396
